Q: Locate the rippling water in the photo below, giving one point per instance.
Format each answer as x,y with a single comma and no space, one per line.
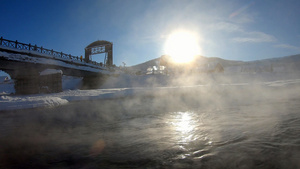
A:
223,128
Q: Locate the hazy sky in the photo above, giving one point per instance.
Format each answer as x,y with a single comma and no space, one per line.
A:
230,29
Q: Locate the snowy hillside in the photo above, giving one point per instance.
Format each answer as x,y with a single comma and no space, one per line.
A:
279,65
200,60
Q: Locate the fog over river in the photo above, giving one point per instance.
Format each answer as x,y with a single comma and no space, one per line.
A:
213,126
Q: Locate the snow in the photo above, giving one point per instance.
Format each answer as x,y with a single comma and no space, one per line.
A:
129,85
48,100
10,102
71,82
252,75
7,88
3,79
271,75
30,52
50,71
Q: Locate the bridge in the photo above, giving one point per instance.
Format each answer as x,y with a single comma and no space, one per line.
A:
25,64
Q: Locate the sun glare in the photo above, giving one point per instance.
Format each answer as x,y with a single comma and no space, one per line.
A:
183,124
182,46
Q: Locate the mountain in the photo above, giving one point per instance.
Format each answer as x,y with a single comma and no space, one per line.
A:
199,59
280,64
145,65
285,64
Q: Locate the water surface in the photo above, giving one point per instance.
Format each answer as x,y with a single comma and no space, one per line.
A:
207,127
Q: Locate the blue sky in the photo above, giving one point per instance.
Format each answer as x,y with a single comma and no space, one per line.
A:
232,29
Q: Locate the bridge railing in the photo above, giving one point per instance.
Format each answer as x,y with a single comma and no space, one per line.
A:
29,47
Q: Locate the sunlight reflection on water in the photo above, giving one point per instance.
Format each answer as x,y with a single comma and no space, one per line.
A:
183,124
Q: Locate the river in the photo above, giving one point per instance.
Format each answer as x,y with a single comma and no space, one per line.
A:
237,126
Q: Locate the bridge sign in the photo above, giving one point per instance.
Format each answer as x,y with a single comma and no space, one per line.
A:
99,47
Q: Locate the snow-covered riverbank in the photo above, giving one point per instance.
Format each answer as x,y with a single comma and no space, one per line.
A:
126,86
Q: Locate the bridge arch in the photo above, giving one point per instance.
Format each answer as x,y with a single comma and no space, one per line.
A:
98,47
4,73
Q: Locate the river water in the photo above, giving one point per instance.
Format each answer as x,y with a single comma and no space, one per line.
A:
238,126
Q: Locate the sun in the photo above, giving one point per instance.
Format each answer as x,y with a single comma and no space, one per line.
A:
182,46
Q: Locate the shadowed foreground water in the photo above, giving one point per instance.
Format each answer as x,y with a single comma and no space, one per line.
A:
219,127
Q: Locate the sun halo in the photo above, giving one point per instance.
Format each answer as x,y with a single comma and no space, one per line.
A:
182,46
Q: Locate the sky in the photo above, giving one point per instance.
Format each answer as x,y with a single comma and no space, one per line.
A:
242,30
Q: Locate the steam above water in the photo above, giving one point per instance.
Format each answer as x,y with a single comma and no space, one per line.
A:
219,123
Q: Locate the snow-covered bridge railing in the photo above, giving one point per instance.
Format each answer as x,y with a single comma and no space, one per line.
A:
29,47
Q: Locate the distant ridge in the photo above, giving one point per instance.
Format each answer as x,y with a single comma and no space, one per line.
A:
287,59
292,62
199,59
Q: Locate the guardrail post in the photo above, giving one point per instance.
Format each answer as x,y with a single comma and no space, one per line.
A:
41,49
29,46
1,39
61,54
16,44
51,51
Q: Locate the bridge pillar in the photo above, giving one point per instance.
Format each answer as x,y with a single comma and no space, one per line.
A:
92,82
27,84
35,83
51,83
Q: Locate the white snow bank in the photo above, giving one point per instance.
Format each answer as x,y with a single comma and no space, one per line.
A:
129,81
7,88
24,102
56,99
50,71
71,82
283,82
4,79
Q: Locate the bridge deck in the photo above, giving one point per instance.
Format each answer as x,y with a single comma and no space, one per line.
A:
10,58
25,62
